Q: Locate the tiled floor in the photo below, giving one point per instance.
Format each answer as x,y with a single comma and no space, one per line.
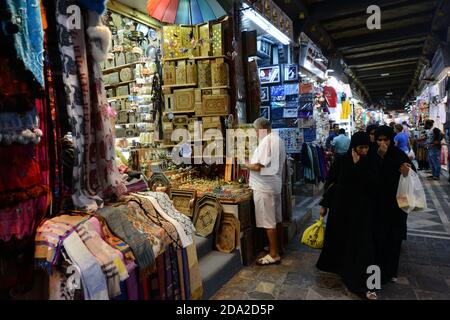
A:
424,264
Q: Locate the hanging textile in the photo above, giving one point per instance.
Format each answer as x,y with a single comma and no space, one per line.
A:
95,173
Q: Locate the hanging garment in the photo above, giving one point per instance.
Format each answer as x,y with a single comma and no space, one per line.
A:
21,25
120,223
95,173
346,110
92,277
164,206
330,96
65,283
20,221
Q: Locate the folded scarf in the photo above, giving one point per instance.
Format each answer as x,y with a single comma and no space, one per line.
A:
171,236
109,261
50,236
92,277
118,221
162,203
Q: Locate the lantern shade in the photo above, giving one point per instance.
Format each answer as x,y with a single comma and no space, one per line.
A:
185,11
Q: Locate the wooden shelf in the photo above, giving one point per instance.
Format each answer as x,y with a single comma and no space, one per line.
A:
194,58
178,112
212,88
118,98
124,124
119,84
179,85
116,68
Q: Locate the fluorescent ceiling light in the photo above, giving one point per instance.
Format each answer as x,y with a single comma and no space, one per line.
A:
319,60
384,74
265,25
330,70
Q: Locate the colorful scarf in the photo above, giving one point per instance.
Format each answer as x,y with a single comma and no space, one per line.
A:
122,226
164,206
50,236
92,277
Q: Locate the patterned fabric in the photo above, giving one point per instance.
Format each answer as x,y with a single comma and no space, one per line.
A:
49,237
146,205
165,208
95,174
120,221
92,277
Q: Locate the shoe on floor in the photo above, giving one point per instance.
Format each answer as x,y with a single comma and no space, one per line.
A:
268,260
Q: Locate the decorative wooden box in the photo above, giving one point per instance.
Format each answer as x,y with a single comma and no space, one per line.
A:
184,100
204,74
219,73
169,75
217,36
215,105
191,72
204,36
181,73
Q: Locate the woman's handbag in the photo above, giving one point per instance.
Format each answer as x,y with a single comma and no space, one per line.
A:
314,235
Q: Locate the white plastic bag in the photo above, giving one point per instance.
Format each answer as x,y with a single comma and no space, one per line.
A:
410,193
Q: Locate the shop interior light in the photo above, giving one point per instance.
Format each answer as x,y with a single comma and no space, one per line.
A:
319,60
264,24
385,74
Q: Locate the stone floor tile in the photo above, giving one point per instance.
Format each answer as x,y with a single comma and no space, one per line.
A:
432,284
265,287
229,294
429,295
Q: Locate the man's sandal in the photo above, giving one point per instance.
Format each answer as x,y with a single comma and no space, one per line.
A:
267,260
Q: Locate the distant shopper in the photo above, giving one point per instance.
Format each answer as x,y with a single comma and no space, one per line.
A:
340,144
266,168
333,134
370,130
401,139
434,142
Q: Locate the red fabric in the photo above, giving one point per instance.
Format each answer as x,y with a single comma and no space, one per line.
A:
20,168
330,96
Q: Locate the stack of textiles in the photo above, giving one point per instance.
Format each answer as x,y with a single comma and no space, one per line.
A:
314,163
139,248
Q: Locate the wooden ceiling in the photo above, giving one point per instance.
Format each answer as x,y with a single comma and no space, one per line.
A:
410,33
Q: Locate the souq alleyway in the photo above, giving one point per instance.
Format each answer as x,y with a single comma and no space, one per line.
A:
424,272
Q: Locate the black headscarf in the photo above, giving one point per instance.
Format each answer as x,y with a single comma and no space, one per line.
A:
371,127
360,138
386,131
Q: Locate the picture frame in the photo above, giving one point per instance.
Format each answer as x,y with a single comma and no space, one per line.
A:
265,94
291,72
269,74
264,112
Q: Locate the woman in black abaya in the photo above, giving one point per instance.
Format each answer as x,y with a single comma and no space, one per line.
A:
390,228
349,246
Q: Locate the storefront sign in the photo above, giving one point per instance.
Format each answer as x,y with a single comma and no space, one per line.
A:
269,74
311,57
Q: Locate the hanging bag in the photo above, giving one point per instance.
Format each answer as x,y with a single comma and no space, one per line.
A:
410,193
314,235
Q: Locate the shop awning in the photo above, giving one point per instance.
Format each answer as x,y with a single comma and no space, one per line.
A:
185,11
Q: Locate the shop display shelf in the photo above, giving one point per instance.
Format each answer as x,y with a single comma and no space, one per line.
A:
212,88
124,124
195,58
118,98
117,68
178,112
119,83
180,85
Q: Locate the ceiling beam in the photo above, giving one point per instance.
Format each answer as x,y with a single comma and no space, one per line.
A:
387,45
406,21
326,10
380,36
413,7
385,51
392,75
381,67
380,61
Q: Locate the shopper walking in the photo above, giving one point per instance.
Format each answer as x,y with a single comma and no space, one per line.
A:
340,144
266,167
401,139
390,223
434,144
349,246
371,132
